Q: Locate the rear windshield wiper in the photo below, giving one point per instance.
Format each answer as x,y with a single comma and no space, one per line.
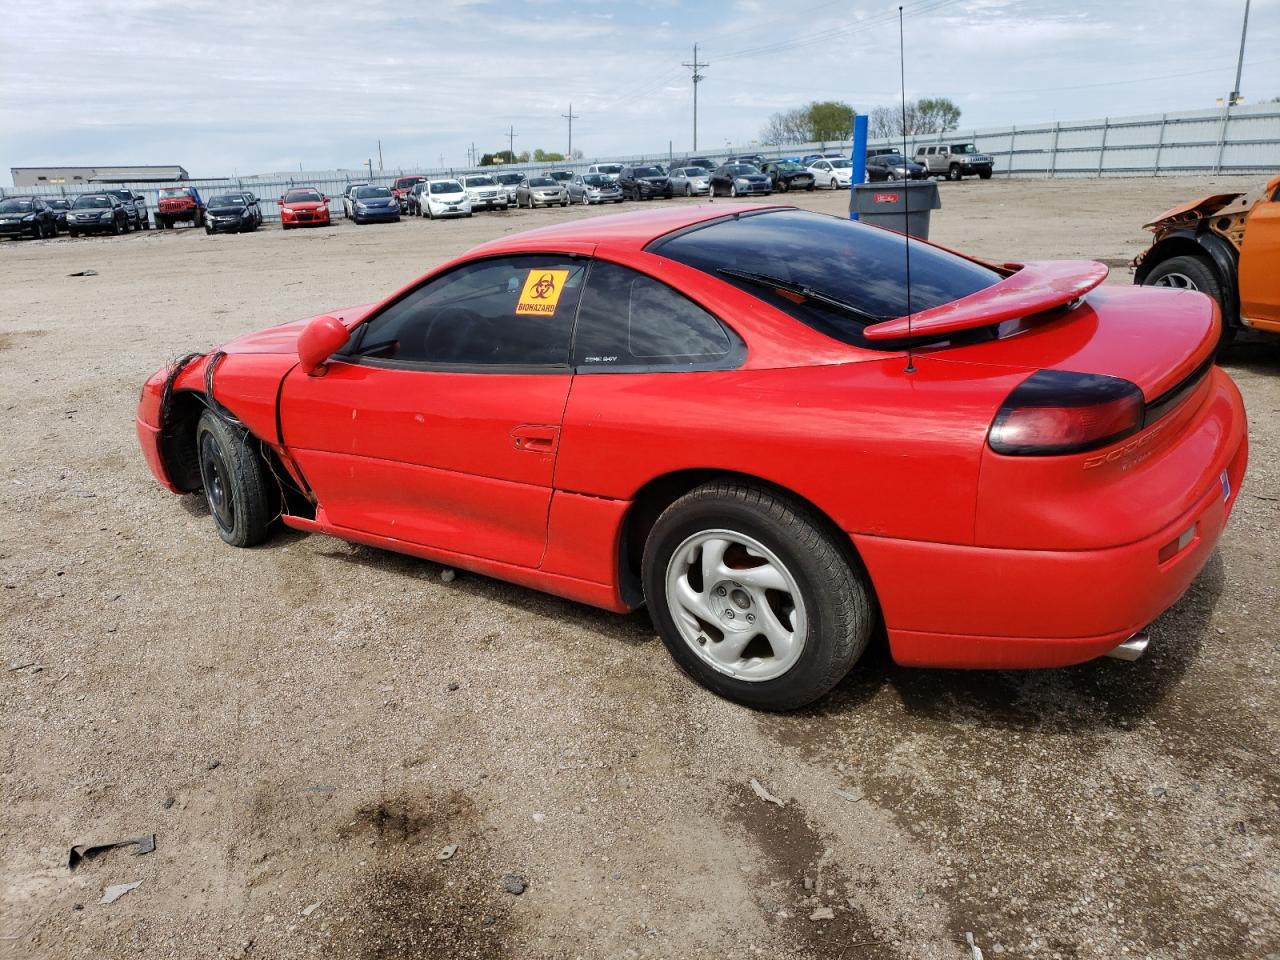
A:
799,290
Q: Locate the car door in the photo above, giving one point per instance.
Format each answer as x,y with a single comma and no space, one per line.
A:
439,423
1259,257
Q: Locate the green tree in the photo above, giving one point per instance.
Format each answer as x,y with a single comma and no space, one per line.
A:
819,120
829,120
493,159
543,156
937,113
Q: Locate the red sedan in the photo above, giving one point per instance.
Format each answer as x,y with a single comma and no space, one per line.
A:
743,419
303,207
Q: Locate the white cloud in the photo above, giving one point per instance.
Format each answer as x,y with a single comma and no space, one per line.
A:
222,86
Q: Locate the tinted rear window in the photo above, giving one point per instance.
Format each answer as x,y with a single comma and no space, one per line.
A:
859,265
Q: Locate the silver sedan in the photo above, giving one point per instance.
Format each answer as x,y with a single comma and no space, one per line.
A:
690,181
594,188
541,191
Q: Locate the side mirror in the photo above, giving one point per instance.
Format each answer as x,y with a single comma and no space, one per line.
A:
325,199
321,338
279,203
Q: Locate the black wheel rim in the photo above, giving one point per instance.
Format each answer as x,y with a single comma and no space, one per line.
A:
216,478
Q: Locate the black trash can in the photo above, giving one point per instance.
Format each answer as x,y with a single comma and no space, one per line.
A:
897,205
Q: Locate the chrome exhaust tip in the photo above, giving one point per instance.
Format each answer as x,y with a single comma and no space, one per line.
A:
1132,649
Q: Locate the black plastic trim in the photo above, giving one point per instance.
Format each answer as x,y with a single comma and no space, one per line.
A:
1168,401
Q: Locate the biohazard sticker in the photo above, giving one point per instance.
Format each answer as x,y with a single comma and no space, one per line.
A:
541,293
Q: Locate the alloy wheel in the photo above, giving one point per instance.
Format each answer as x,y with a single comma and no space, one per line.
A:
736,605
1179,281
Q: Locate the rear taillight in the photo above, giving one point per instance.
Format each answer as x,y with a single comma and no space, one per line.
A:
1055,412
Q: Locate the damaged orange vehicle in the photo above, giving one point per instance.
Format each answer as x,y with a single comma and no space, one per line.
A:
1226,245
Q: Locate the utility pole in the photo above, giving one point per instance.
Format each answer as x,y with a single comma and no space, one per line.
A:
379,156
511,142
570,116
697,79
1234,99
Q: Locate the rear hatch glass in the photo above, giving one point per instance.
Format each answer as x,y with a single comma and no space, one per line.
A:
834,275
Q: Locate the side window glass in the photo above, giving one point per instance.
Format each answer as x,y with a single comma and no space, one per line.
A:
509,311
628,321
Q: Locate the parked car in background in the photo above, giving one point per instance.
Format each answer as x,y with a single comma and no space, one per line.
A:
231,213
59,206
135,204
374,204
97,213
644,183
756,160
832,173
1226,245
510,183
589,188
955,161
402,187
540,191
739,180
303,207
560,176
444,198
880,151
27,217
486,193
705,162
179,204
347,203
609,169
787,175
690,181
894,166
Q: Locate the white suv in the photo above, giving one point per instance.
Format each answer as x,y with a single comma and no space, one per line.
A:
608,169
444,198
485,192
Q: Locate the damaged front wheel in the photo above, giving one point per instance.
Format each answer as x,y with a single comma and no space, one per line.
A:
234,478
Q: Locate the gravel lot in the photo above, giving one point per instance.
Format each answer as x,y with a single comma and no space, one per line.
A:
313,722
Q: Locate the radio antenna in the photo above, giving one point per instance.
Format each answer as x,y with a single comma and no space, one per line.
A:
906,191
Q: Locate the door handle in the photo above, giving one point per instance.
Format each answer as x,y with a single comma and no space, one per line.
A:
535,438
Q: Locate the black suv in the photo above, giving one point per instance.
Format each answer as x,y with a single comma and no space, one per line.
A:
644,183
135,205
97,212
27,216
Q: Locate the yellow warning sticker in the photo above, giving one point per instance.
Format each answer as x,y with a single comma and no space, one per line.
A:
541,293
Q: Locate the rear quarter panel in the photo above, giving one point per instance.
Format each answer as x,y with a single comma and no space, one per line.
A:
879,450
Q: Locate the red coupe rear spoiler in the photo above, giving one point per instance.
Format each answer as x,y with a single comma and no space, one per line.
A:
1035,287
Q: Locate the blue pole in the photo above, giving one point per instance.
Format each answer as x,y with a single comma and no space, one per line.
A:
859,159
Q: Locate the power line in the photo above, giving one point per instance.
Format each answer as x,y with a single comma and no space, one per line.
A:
695,66
511,142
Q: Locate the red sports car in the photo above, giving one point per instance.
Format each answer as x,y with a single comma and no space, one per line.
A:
303,207
745,419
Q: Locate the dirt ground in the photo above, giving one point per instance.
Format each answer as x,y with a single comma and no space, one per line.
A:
313,722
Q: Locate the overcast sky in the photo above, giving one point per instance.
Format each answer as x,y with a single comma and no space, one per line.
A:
227,87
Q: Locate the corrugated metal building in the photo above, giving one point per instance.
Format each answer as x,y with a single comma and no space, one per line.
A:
57,176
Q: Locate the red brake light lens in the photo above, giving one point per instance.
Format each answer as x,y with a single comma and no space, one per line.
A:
1055,412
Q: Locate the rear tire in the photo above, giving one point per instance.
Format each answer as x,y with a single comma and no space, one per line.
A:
1189,272
234,479
809,595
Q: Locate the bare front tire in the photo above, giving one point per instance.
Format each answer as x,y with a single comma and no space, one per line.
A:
235,483
1189,272
754,596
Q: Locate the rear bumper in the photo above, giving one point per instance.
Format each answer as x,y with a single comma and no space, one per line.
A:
948,605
